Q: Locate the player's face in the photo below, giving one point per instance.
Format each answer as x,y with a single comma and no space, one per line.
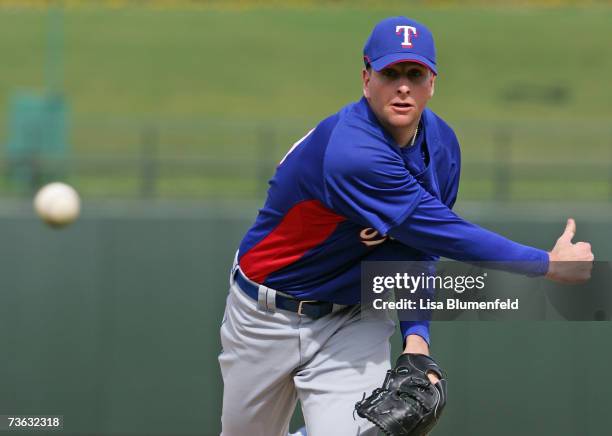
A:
398,94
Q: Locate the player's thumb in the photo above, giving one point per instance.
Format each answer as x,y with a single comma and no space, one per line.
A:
569,232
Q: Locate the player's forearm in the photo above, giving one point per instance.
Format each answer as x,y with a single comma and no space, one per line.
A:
434,228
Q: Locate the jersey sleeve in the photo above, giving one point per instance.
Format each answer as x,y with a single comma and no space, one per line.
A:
420,328
369,185
449,193
433,228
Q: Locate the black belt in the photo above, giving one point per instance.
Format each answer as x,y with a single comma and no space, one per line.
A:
311,308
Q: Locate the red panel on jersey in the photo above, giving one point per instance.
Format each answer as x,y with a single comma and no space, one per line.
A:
306,225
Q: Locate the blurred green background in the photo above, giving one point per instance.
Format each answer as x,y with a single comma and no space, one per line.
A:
196,102
169,117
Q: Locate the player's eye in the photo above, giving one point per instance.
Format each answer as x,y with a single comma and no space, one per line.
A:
415,74
389,73
418,76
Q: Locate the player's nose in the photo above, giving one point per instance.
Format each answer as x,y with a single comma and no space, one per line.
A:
403,88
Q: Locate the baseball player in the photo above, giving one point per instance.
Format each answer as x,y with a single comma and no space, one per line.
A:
374,181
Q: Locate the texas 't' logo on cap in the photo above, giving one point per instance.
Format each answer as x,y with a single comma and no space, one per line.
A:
400,39
406,31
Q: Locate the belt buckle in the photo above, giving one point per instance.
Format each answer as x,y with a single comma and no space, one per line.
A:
299,311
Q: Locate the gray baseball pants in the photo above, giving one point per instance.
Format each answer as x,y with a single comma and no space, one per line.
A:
271,358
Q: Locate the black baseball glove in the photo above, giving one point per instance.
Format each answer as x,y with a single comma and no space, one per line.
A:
408,404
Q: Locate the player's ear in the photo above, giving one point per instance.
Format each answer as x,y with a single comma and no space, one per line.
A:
365,78
433,85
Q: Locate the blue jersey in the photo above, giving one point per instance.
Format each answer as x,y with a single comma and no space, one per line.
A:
346,193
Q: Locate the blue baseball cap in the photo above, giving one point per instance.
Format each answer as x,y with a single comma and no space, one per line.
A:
400,39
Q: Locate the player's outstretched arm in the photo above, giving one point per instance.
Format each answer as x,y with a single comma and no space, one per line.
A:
433,228
390,200
570,262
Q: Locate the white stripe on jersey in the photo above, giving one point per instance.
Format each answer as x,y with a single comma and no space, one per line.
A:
295,145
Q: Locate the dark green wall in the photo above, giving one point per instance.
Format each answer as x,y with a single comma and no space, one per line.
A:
113,323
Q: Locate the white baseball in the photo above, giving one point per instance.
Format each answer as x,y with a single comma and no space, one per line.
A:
58,204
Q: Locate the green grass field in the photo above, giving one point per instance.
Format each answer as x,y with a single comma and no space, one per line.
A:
245,83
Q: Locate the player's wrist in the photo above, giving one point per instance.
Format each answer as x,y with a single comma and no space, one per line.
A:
415,344
549,271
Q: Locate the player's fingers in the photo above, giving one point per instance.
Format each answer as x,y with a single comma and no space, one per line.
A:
569,232
585,250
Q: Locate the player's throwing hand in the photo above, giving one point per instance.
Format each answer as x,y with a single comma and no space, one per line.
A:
570,262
